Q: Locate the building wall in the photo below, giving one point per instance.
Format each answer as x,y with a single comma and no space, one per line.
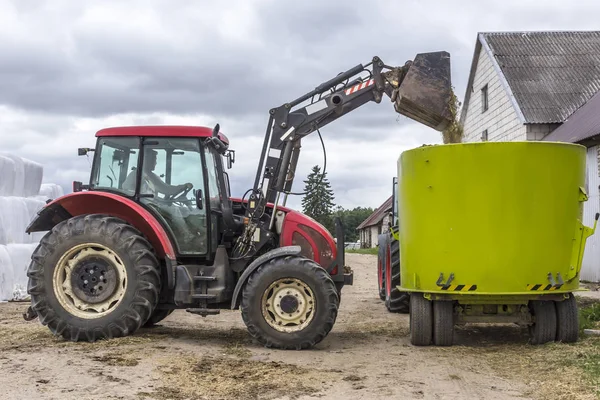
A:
385,221
500,119
375,229
590,267
539,131
369,236
365,238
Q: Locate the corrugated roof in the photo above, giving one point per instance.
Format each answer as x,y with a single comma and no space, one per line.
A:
551,74
377,215
583,124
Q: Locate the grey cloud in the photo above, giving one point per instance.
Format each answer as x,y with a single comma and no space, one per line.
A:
99,67
69,68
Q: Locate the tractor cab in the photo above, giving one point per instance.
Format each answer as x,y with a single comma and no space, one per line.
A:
171,172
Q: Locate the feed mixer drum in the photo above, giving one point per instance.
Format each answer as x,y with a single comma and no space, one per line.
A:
492,218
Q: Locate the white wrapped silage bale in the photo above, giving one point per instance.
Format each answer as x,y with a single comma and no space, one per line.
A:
6,275
8,174
15,216
20,257
51,191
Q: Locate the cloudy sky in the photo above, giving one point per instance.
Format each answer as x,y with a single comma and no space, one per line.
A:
70,68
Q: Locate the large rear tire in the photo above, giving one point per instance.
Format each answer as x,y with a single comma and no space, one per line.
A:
395,300
567,320
157,316
382,242
289,303
93,277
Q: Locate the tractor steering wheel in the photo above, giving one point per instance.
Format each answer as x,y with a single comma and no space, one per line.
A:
182,194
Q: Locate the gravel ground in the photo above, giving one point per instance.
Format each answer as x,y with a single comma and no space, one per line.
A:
366,356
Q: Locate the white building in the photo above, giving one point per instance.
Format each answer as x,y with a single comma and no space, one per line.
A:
525,86
370,229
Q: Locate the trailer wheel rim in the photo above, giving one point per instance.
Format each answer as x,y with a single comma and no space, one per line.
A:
288,305
89,280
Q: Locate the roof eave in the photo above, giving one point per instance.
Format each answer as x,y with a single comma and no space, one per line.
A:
502,78
463,113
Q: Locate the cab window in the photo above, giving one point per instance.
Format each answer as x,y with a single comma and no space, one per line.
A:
115,159
214,193
171,175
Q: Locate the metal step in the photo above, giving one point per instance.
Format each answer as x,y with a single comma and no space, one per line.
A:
201,278
203,311
203,296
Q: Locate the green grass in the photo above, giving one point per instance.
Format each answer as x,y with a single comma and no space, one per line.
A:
372,251
587,355
589,314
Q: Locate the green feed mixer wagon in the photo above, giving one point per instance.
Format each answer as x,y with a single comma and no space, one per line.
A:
487,233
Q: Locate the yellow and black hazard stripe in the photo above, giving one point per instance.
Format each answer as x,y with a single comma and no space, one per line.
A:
541,287
460,288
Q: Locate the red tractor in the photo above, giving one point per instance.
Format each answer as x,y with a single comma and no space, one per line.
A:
156,228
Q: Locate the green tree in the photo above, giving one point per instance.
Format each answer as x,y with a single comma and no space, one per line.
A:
317,203
351,219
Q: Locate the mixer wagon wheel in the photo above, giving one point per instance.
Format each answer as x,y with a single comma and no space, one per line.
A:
395,300
443,323
382,244
543,330
567,320
421,320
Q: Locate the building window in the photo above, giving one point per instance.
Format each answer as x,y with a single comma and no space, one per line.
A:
484,136
484,99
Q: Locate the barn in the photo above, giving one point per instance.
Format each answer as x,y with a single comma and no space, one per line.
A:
375,224
526,86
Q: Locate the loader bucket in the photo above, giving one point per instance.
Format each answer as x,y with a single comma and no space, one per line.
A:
425,94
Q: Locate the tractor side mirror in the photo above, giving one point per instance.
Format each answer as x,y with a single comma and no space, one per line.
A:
79,186
230,158
199,203
82,151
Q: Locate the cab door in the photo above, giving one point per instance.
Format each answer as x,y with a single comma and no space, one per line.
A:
172,185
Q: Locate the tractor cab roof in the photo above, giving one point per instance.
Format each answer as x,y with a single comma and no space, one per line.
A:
162,131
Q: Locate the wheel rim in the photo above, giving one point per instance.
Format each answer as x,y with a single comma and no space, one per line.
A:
89,280
288,305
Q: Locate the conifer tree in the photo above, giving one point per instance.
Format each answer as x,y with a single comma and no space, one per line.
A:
318,203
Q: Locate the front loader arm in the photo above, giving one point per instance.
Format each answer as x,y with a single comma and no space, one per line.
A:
420,90
287,126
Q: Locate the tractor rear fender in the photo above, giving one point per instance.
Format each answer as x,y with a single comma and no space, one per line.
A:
81,203
276,253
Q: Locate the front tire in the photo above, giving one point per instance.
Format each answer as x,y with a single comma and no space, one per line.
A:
289,303
93,277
